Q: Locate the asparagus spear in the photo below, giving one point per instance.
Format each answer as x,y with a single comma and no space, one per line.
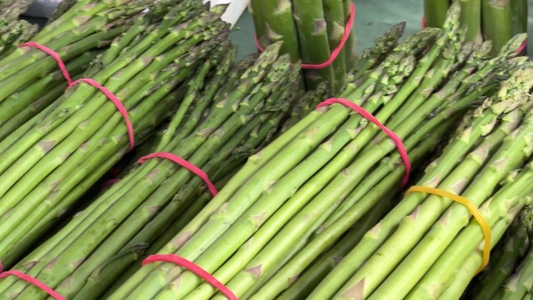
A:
435,12
314,41
497,12
334,15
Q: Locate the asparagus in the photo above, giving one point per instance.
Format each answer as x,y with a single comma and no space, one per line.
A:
497,12
160,188
503,263
370,243
334,15
44,189
503,202
471,17
204,238
350,46
388,261
279,26
435,12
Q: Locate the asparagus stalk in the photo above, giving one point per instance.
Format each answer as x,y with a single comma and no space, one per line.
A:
435,12
459,147
350,46
503,263
280,26
497,12
471,17
334,15
314,41
504,200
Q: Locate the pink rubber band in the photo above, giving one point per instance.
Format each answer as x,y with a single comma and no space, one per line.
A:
54,55
180,161
31,280
115,101
193,268
397,140
110,182
335,53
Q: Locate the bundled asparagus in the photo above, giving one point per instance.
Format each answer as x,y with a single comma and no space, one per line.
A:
416,233
319,169
494,20
228,118
30,80
311,31
506,256
50,161
12,30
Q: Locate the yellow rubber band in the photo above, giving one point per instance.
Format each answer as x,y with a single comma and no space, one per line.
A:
471,207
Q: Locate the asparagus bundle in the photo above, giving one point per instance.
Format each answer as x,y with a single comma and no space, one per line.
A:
506,256
12,30
50,161
30,80
422,241
311,31
320,168
494,20
156,199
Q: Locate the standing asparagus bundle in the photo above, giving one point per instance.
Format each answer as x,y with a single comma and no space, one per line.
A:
376,267
30,80
310,31
155,198
494,20
270,208
47,164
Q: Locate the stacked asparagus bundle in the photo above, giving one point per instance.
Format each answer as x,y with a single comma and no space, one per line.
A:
233,114
497,279
12,30
420,245
494,20
50,161
316,172
311,31
30,80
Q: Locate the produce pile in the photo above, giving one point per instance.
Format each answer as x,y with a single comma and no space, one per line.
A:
241,180
497,21
51,160
311,31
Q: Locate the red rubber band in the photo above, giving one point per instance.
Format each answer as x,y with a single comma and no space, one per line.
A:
115,101
397,140
110,182
193,268
423,22
336,52
54,55
113,172
180,161
31,280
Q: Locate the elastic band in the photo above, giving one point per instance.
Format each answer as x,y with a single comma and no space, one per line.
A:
92,82
193,268
54,55
524,44
473,210
180,161
113,172
336,52
31,280
110,182
115,101
397,140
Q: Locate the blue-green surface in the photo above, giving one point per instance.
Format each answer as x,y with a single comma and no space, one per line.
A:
372,19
